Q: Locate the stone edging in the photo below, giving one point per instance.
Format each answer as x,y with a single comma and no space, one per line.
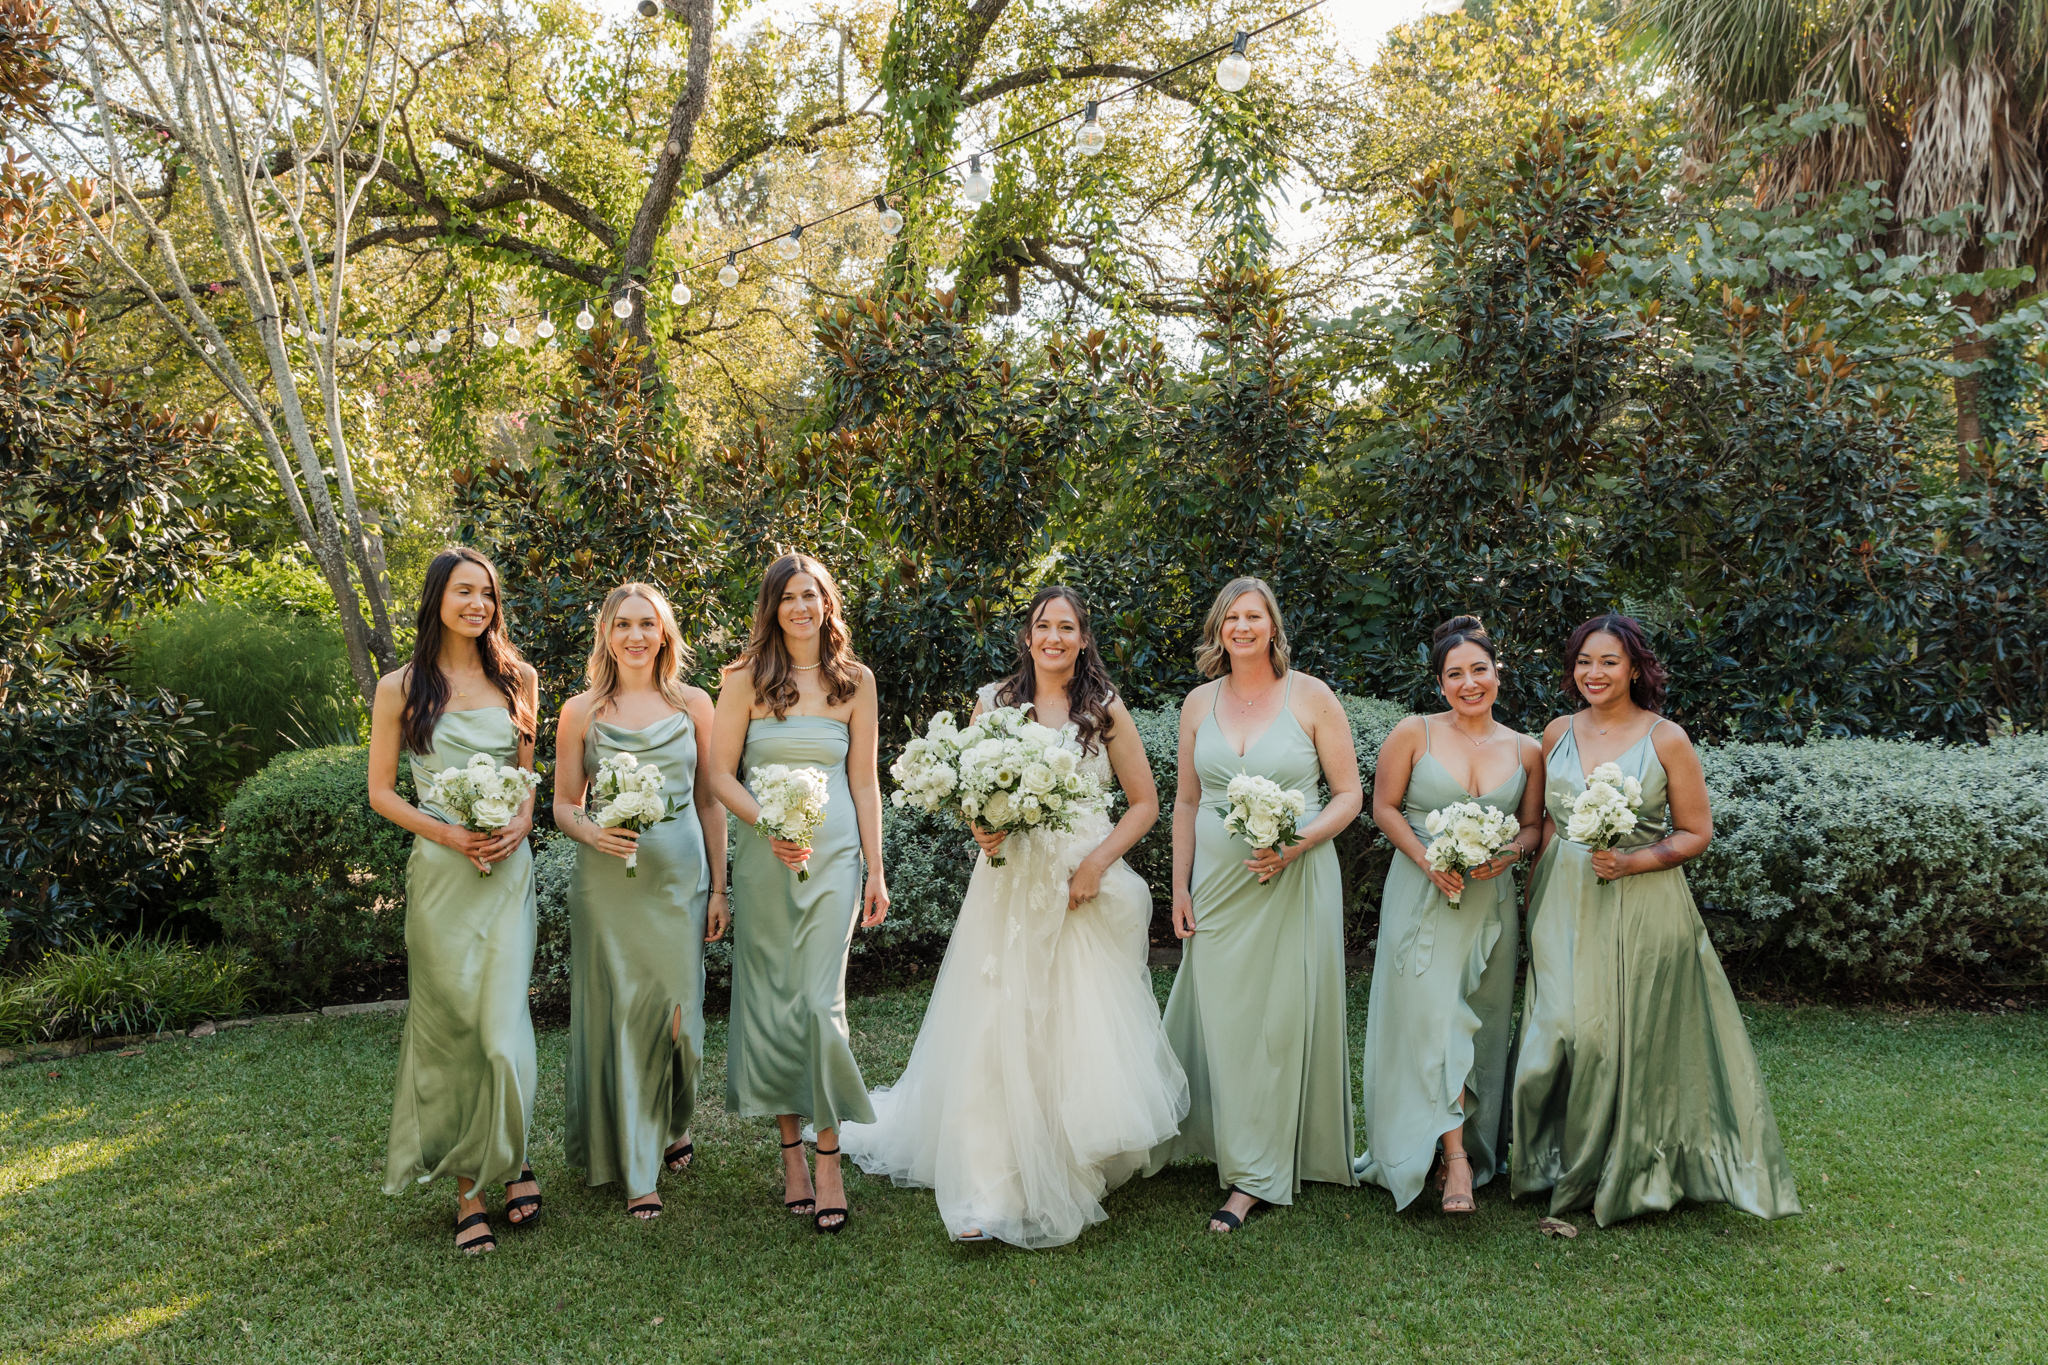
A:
78,1047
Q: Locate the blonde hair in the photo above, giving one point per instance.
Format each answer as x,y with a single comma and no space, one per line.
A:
602,671
1211,657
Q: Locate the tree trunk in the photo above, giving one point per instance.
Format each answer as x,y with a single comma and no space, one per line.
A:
652,219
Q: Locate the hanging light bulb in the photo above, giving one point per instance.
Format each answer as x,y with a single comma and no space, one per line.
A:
977,186
648,9
412,345
545,328
442,338
1089,137
148,370
886,218
489,338
789,246
679,293
291,329
208,348
1234,72
584,321
511,333
729,273
622,307
435,343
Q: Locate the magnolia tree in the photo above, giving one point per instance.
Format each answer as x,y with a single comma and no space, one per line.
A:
280,115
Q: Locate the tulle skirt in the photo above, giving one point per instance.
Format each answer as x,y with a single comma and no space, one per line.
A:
1041,1077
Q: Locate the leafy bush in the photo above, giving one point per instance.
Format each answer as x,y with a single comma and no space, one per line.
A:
139,985
312,881
554,864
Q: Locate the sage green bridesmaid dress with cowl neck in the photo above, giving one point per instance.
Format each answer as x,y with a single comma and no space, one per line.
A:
636,972
788,1050
1442,1011
1635,1085
1256,1015
463,1104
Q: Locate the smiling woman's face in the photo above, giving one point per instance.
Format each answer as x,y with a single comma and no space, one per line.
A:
1603,670
1469,682
1056,638
469,603
1247,628
635,636
801,613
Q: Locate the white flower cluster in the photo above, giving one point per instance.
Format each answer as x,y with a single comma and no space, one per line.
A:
793,802
481,795
1003,772
629,794
1468,834
1605,810
1261,812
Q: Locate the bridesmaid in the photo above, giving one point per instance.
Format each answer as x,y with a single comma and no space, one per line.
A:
1635,1085
1256,1016
1441,1013
798,696
636,947
464,1101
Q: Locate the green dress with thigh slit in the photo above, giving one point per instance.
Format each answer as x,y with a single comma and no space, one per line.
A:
464,1099
1256,1016
1442,1010
787,1047
636,966
1635,1085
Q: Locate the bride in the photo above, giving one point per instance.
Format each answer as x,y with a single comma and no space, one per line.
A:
1041,1077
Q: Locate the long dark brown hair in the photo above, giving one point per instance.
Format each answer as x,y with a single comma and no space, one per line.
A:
1089,691
774,675
426,687
1647,677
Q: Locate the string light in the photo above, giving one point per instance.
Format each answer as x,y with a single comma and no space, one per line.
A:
679,293
1234,72
489,338
622,307
511,332
886,218
412,345
790,245
584,321
442,338
291,329
648,9
545,328
976,187
1089,137
729,273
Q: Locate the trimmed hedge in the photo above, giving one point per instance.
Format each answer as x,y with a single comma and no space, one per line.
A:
1851,864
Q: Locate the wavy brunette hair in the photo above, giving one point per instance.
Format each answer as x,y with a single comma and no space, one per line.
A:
1212,658
1089,691
602,670
426,687
1647,676
774,675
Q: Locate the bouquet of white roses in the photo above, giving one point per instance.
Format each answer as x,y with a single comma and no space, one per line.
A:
793,804
482,795
927,775
1605,810
1261,812
632,796
1468,834
1014,774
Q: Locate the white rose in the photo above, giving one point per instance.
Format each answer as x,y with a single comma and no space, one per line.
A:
996,814
1262,831
491,814
1036,780
1063,761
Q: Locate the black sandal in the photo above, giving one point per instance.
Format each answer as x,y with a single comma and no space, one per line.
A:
475,1246
818,1219
1231,1220
641,1211
677,1158
809,1203
524,1201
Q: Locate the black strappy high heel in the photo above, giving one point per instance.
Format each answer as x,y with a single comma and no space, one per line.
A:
1231,1220
809,1203
475,1246
677,1158
524,1201
818,1219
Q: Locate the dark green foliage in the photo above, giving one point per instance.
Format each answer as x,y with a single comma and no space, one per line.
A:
312,881
106,987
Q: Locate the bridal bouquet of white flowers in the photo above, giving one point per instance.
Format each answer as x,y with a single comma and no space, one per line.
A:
1015,774
1261,812
1467,834
481,795
631,795
1605,810
927,775
793,803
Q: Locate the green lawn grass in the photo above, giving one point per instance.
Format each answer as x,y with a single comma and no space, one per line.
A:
218,1199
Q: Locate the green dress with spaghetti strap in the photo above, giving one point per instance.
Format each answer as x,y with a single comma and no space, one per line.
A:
787,1047
1635,1084
463,1104
1256,1016
1442,1010
636,972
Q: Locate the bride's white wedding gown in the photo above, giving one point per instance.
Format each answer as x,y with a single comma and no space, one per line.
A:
1041,1077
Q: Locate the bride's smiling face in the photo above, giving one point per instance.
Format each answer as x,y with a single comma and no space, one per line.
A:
1056,637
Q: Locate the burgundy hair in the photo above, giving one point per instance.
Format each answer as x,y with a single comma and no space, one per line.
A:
1646,685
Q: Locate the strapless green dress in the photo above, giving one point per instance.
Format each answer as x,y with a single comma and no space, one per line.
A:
1635,1085
1442,1010
787,1046
466,1068
636,962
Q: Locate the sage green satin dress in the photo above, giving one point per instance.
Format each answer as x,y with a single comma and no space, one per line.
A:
787,1046
1256,1016
636,962
1635,1085
466,1068
1442,1010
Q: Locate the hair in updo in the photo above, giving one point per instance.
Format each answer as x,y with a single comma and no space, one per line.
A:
1459,630
1647,676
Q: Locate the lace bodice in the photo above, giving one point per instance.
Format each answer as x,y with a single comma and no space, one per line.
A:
1096,763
